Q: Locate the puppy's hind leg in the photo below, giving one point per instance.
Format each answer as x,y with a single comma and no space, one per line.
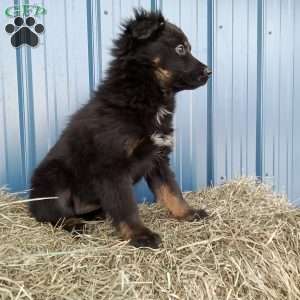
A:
77,225
74,221
53,207
57,210
74,225
98,214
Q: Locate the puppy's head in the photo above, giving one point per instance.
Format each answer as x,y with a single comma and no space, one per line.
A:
173,58
148,36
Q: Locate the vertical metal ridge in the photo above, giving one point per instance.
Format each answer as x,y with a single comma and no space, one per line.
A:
273,163
226,161
260,49
287,166
55,105
89,18
180,131
241,158
29,127
197,28
19,64
180,4
21,109
4,131
67,54
232,103
153,5
194,174
191,119
180,161
30,124
21,181
247,100
279,99
99,38
210,149
289,136
49,140
293,105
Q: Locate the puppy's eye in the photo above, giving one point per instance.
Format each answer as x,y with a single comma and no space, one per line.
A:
180,50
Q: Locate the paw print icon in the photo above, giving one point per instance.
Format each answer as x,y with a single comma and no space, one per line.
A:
24,32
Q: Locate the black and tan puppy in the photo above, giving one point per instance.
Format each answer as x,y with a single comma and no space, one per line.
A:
122,134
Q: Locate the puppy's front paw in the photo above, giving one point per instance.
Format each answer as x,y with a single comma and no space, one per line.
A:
146,239
196,215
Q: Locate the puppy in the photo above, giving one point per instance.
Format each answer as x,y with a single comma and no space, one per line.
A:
122,134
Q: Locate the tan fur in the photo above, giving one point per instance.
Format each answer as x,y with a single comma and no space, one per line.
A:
162,74
156,60
70,222
132,144
126,231
178,207
82,207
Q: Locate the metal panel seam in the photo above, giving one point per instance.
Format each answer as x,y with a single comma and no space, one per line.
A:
210,157
260,29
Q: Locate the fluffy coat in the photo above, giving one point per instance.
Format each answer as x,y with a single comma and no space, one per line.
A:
122,134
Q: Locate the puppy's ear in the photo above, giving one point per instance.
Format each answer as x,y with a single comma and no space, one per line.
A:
140,28
146,24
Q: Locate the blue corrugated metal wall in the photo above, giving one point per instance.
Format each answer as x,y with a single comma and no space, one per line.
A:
243,123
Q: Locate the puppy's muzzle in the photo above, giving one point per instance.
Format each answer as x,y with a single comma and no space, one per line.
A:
207,72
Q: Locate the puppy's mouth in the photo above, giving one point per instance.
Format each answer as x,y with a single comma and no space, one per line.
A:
202,79
199,80
204,76
192,81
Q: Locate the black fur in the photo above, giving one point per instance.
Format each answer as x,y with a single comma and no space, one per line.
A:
113,141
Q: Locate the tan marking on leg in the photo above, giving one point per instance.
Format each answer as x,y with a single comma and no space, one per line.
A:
139,235
178,207
125,230
128,231
82,207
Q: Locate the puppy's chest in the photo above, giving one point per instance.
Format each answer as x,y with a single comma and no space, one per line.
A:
162,134
151,149
157,138
152,144
158,141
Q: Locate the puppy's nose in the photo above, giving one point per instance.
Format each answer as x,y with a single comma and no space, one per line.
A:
207,71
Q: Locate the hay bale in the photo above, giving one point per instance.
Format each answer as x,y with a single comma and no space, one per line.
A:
248,249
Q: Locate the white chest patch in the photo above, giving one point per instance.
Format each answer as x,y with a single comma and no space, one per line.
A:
162,140
162,112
